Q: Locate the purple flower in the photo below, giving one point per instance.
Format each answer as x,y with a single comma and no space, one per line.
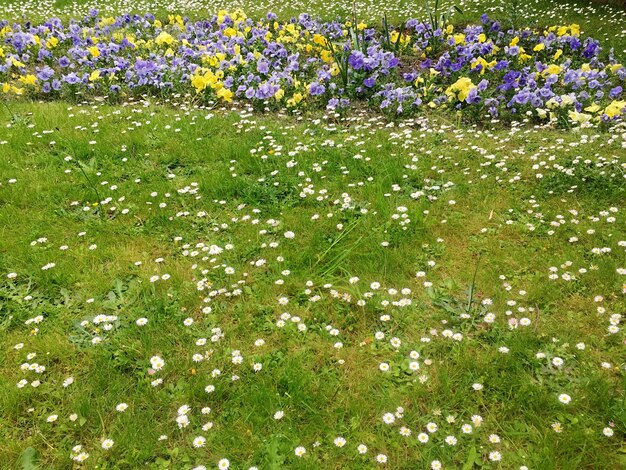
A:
316,89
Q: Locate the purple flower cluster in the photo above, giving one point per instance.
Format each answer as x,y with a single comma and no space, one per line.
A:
480,70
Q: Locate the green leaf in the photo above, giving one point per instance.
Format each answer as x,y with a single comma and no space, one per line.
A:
27,459
471,458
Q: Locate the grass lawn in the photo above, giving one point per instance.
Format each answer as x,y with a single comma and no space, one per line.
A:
183,285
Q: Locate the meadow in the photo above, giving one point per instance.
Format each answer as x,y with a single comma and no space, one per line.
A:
205,263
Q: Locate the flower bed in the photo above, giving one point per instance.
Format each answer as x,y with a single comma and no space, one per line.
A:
481,70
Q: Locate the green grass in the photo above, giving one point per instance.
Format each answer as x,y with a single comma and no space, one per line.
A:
322,398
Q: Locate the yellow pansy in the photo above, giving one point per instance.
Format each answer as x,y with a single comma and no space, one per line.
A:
28,79
460,89
539,47
164,38
485,65
326,56
52,43
579,117
615,108
93,50
225,94
552,69
319,39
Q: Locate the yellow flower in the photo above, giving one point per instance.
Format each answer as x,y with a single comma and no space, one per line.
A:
482,37
485,65
319,39
164,38
460,89
93,50
6,88
28,79
279,94
459,38
450,29
326,56
539,47
295,99
95,75
52,43
361,26
552,69
225,94
514,41
199,82
615,108
579,117
558,54
594,108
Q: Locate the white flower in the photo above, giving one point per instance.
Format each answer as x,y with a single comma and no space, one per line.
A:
565,398
223,464
362,449
340,441
121,407
300,451
157,362
199,442
107,444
